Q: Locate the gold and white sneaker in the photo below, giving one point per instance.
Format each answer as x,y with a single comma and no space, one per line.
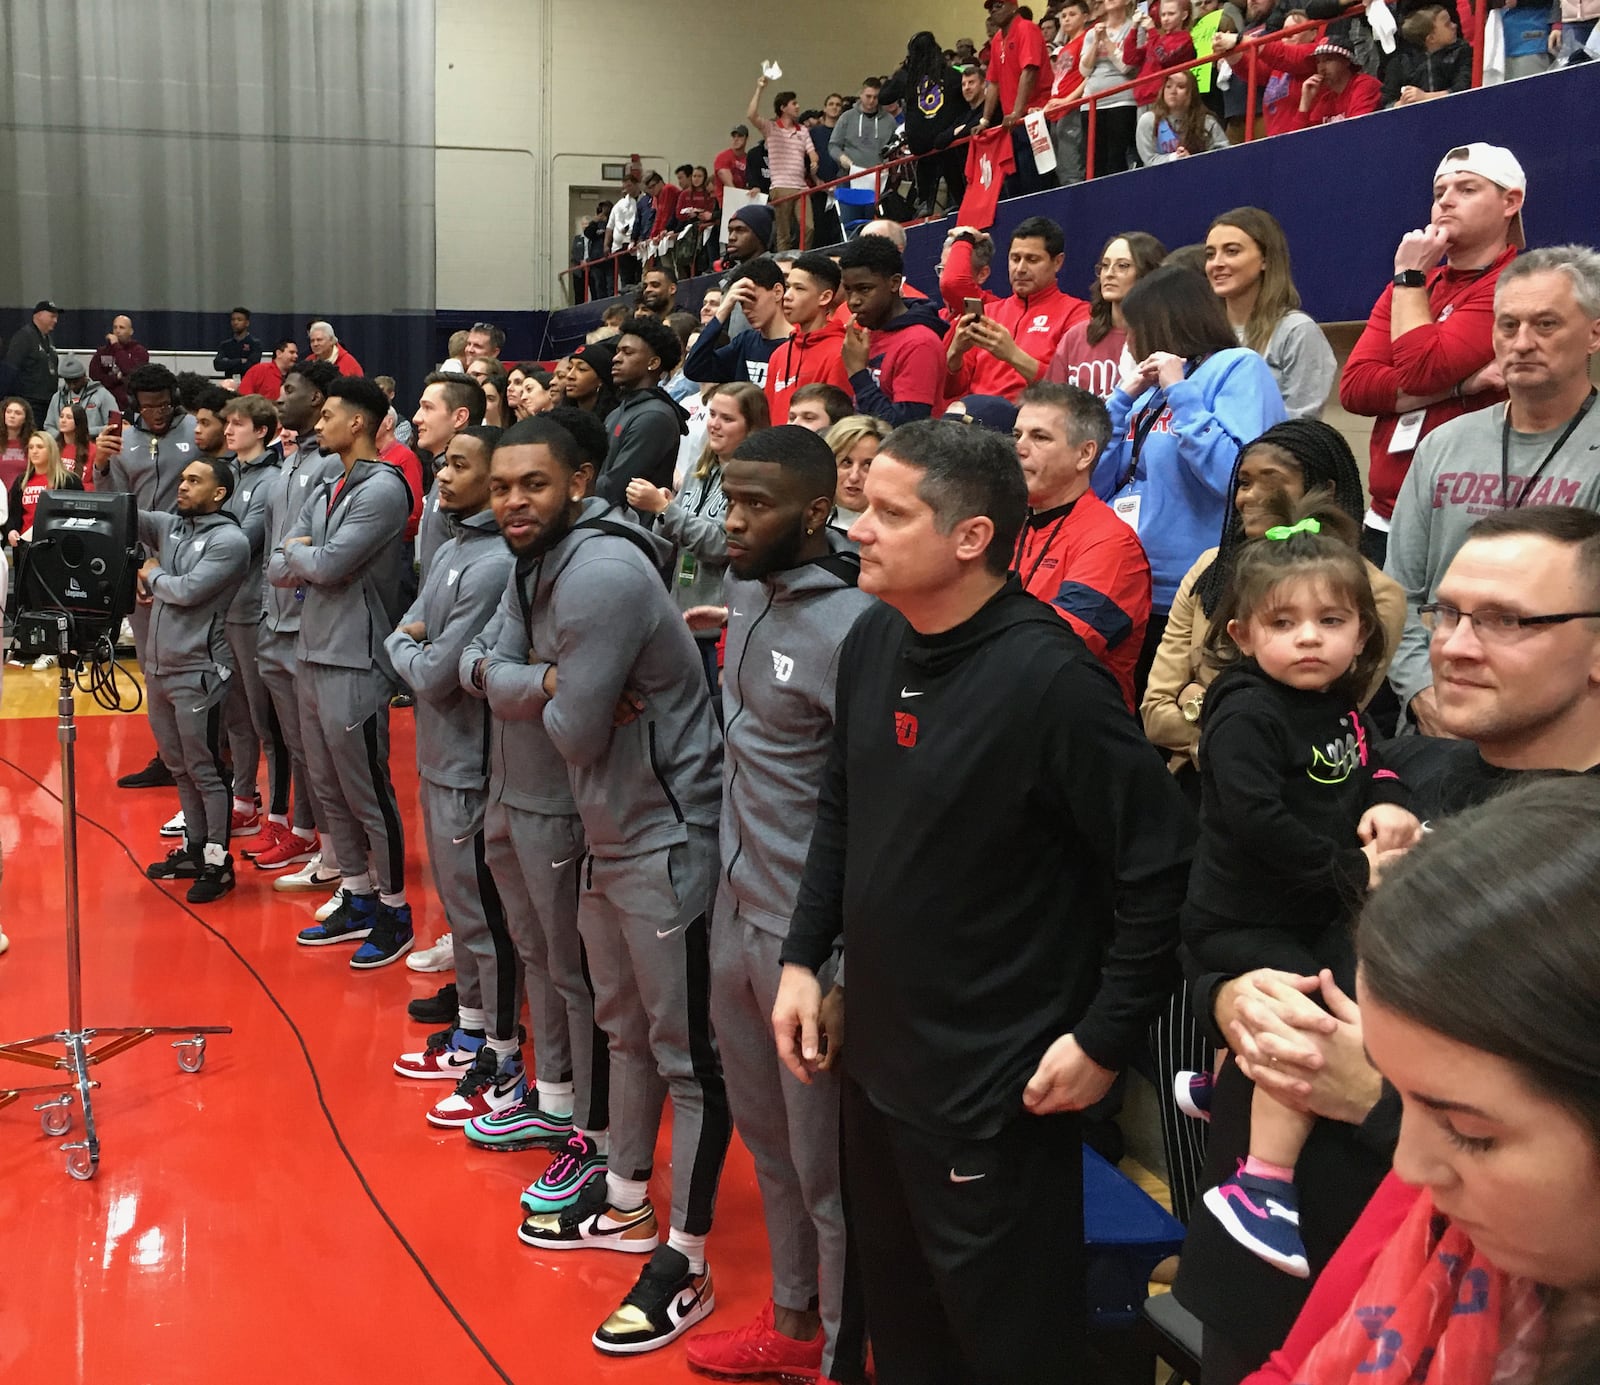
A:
667,1301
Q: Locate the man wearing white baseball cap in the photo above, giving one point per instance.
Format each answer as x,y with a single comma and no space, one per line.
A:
1427,354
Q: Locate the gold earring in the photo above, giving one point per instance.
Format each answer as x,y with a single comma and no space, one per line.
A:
811,531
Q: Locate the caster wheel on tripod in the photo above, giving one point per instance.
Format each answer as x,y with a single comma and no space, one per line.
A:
191,1053
56,1121
82,1162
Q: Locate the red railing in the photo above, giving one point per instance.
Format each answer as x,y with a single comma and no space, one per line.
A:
1249,48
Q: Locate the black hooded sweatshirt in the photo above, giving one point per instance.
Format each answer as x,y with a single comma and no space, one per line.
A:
1285,776
644,430
1003,853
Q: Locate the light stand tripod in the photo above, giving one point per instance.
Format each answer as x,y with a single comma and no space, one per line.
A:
83,1156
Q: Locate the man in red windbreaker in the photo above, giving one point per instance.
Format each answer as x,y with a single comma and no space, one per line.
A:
1339,91
813,353
1427,354
1007,346
1074,553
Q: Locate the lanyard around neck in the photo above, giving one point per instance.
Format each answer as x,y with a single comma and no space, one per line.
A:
1538,471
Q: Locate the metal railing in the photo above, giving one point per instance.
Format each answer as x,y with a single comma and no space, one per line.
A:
1087,105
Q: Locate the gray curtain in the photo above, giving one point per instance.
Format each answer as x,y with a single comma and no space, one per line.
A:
193,154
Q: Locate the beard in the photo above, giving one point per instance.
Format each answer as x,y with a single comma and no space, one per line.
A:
782,554
546,539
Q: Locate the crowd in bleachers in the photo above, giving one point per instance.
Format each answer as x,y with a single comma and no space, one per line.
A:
940,98
1042,662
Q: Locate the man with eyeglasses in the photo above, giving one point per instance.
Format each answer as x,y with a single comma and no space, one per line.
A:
146,456
1542,447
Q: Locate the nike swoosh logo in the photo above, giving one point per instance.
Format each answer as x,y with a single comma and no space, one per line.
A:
459,841
906,692
556,865
686,1301
966,1177
670,931
362,722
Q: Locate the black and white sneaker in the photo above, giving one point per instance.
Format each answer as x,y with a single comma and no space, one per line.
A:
180,864
213,882
666,1302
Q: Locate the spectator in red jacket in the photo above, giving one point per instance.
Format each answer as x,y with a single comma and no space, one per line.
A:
1007,346
891,349
114,362
325,346
1427,354
1074,553
266,377
813,354
1154,48
1338,91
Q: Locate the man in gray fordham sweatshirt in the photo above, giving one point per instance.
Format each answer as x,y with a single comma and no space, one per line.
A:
791,600
1541,447
594,622
481,1053
304,467
201,557
342,558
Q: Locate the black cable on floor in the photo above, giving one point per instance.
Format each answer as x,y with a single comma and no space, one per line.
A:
311,1067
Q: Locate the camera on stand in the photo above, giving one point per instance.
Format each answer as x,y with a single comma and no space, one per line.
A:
76,585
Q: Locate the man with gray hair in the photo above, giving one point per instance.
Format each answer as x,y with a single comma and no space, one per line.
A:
1542,447
325,347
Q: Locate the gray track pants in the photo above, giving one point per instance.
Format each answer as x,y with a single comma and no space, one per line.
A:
645,925
253,725
186,717
276,663
345,721
536,860
790,1129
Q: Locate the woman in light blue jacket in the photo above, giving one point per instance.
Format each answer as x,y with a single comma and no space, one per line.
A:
1193,400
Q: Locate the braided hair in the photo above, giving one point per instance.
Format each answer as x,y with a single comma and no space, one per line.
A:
1324,459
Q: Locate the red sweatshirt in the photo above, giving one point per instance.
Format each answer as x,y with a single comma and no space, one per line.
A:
1362,96
1428,360
1290,64
1339,1283
1090,566
1037,323
407,463
806,358
1161,49
263,378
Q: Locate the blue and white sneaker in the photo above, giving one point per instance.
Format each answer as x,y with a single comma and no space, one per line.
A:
388,940
352,919
448,1054
494,1082
523,1126
1262,1215
570,1172
1192,1092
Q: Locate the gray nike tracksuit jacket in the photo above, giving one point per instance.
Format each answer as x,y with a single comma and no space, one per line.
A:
599,609
200,564
301,469
248,505
149,467
349,573
463,590
782,661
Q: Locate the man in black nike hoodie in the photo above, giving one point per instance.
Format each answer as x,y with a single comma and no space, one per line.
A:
1005,857
646,426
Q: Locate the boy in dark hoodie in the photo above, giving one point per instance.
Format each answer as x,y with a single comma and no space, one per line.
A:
645,427
1432,62
723,352
893,350
813,355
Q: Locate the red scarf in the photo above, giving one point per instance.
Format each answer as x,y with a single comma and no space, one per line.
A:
1432,1311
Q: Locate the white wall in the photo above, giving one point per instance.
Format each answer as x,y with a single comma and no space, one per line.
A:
534,95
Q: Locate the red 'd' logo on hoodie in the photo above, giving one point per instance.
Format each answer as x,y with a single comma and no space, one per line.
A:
905,729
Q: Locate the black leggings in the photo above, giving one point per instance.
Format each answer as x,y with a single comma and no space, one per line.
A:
1114,131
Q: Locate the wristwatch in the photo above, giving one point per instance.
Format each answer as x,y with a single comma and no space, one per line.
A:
1191,708
1411,279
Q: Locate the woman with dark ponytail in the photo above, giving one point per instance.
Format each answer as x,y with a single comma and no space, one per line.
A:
1287,461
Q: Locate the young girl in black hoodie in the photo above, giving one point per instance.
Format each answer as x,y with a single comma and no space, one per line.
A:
1296,810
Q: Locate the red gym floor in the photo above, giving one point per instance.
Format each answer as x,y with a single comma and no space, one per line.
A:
285,1214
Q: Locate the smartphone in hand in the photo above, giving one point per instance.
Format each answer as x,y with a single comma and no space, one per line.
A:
972,307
